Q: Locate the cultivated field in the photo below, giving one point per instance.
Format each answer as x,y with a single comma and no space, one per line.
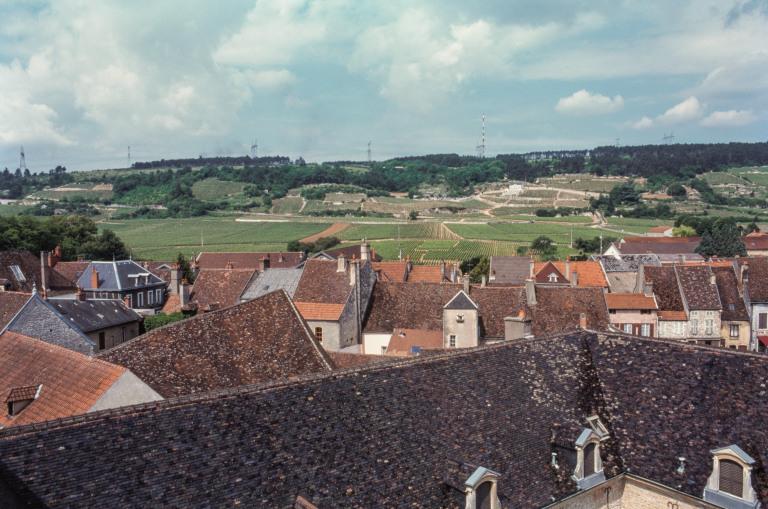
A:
213,189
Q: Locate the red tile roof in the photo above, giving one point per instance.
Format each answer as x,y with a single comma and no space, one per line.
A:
756,241
320,282
320,311
403,340
72,382
219,288
630,301
10,304
390,271
590,273
71,271
207,260
659,245
425,274
673,316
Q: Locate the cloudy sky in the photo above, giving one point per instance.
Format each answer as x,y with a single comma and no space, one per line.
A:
82,80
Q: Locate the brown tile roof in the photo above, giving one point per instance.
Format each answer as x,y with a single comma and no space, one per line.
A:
590,273
560,309
10,304
630,301
697,287
757,241
659,245
673,316
543,274
734,308
666,289
343,360
219,288
403,341
321,283
29,265
208,260
22,393
71,271
72,382
757,270
258,341
390,271
425,274
319,310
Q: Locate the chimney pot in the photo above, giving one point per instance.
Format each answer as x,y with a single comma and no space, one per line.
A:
482,281
574,279
364,251
94,277
80,295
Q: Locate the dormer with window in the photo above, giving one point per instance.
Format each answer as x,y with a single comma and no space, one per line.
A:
553,278
20,398
730,484
589,464
481,490
460,322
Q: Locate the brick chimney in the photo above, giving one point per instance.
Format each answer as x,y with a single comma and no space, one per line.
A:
94,277
530,292
80,295
54,256
341,263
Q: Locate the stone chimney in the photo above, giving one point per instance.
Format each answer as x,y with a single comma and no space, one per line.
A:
648,289
365,251
264,263
583,321
442,271
531,272
184,290
712,279
354,271
341,264
80,295
94,277
574,279
482,281
517,327
567,267
175,279
127,301
465,283
43,270
530,292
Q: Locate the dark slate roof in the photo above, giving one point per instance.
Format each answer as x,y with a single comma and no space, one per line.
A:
10,304
665,288
758,277
94,315
504,407
510,270
734,308
114,276
627,263
28,275
460,301
697,288
271,280
258,341
39,319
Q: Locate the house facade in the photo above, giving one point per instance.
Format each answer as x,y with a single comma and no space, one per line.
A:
633,313
124,280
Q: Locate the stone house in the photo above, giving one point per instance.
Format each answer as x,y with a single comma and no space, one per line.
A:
124,280
735,321
672,315
698,287
634,313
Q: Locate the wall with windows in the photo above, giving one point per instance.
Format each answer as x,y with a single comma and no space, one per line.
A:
113,336
327,333
735,335
704,326
460,328
635,322
759,325
673,329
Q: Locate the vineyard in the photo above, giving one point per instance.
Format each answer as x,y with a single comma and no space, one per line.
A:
434,251
287,205
525,232
398,231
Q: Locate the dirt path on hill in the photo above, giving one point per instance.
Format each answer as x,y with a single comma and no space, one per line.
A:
328,232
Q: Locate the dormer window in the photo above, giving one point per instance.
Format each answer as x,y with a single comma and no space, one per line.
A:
481,490
730,484
553,278
18,274
20,397
589,464
598,427
460,318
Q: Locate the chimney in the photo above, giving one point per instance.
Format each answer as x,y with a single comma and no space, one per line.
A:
567,267
364,251
465,282
175,277
264,264
94,277
648,289
43,268
442,271
341,263
455,273
712,279
354,270
583,321
55,256
184,293
373,254
575,279
230,266
530,271
482,281
80,295
640,280
127,301
530,292
517,327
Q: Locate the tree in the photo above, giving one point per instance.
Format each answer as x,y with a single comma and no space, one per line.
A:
753,227
676,190
482,268
413,215
723,239
185,268
683,231
544,247
106,246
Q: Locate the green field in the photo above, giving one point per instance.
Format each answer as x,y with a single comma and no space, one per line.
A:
287,205
395,231
524,232
433,251
215,189
162,239
12,209
585,183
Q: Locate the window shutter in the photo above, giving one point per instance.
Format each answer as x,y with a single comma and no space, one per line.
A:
483,496
589,460
762,321
731,478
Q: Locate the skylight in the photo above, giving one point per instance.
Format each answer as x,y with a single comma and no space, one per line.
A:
18,274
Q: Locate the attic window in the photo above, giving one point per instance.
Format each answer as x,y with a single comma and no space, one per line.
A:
18,274
730,484
20,397
598,427
481,490
589,464
460,318
553,278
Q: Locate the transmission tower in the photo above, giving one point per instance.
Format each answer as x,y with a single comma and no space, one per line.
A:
669,138
129,156
618,142
481,148
255,149
22,159
369,152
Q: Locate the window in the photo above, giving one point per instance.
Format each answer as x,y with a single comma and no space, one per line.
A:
140,299
159,296
102,341
18,274
710,325
645,330
730,483
553,278
762,321
627,327
694,327
645,311
482,490
383,350
452,341
319,334
589,466
589,459
483,500
731,478
734,329
150,297
460,318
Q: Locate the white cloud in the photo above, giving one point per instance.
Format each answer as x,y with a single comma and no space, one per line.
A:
730,118
643,123
268,79
583,102
685,111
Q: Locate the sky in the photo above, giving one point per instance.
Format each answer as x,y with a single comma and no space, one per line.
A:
81,81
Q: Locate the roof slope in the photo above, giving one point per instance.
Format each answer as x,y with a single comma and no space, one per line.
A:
71,271
220,288
697,287
92,315
590,273
660,245
630,301
561,309
758,277
665,288
734,308
252,261
320,282
627,263
500,406
271,280
28,274
258,341
72,382
510,270
10,304
116,276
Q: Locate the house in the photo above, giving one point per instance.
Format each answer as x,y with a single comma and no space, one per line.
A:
660,231
672,315
360,251
623,272
509,270
80,325
756,243
668,249
633,313
40,381
254,261
10,304
584,419
124,280
698,287
262,340
219,288
333,296
271,280
734,320
753,278
584,274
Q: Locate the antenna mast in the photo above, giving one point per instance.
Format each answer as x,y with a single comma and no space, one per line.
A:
255,149
129,156
22,159
369,152
669,138
481,147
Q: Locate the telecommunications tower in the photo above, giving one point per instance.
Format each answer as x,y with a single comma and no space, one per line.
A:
481,148
22,159
255,149
369,152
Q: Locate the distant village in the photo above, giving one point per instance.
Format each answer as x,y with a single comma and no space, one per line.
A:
634,378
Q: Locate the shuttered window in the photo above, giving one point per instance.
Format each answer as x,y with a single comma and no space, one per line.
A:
483,500
731,478
762,321
589,460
